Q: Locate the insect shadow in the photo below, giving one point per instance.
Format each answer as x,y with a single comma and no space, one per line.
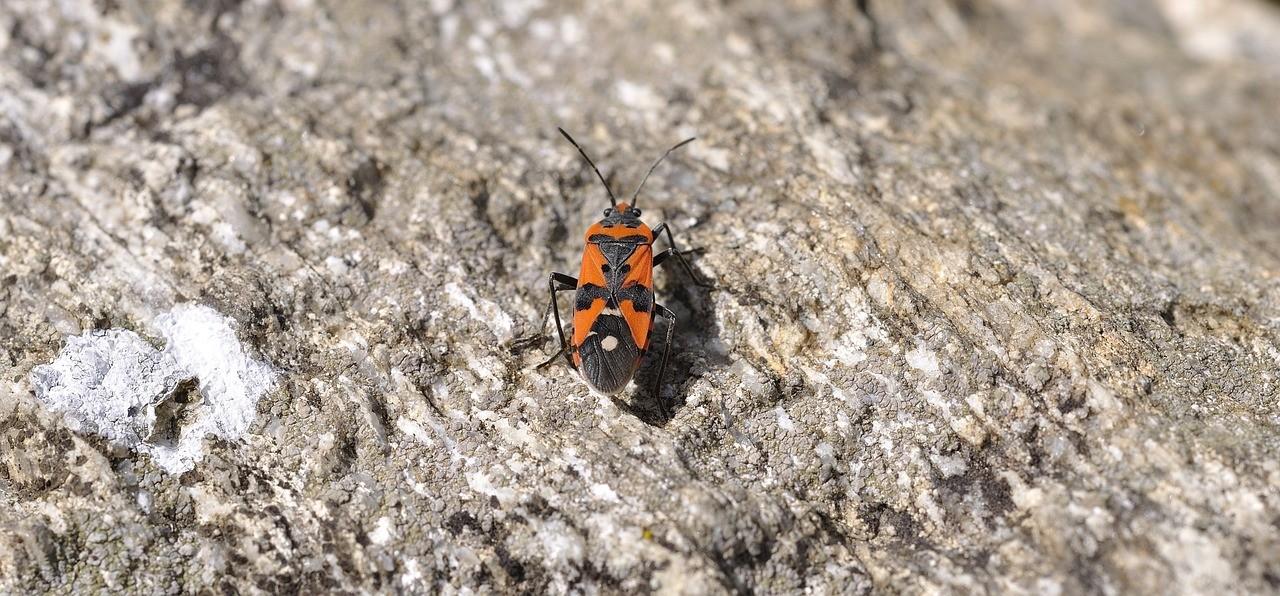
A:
694,307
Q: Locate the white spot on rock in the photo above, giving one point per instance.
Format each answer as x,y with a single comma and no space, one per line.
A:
561,544
415,430
784,420
483,311
382,532
114,384
924,361
571,30
949,465
604,492
481,483
639,97
119,51
412,574
516,12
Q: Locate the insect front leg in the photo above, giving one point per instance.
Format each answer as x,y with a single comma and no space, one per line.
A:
662,311
674,251
558,282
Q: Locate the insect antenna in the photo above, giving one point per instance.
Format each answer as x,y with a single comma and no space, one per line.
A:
655,166
612,199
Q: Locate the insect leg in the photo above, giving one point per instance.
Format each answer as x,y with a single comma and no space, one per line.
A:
662,311
662,256
558,282
561,351
674,251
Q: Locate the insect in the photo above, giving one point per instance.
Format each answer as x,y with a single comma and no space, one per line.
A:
613,306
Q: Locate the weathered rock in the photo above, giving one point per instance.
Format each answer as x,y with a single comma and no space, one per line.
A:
997,304
163,403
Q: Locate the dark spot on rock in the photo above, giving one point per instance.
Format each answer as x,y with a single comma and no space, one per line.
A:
591,575
123,99
1072,402
979,480
208,75
460,521
175,412
538,506
512,566
365,185
997,492
1031,439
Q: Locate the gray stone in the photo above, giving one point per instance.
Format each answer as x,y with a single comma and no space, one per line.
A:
996,307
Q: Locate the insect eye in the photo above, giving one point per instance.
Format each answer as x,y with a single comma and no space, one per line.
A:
636,212
607,212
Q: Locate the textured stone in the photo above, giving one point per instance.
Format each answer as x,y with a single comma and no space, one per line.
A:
997,305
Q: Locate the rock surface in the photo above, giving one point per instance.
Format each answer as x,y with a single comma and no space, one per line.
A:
998,306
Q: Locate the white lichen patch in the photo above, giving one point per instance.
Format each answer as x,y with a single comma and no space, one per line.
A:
480,482
924,361
382,532
483,311
561,544
784,420
412,574
114,384
109,382
604,492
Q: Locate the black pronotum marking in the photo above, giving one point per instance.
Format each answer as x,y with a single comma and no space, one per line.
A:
605,238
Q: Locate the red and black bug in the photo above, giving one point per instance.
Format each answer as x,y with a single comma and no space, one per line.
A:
614,307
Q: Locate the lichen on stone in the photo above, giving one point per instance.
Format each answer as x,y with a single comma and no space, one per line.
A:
165,402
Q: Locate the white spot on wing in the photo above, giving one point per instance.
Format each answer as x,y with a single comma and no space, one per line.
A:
609,343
